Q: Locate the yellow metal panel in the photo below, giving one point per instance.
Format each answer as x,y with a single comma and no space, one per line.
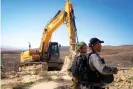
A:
51,27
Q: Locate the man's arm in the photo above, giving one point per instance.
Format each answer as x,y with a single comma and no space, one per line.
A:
96,62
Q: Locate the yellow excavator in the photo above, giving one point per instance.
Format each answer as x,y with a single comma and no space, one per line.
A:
48,55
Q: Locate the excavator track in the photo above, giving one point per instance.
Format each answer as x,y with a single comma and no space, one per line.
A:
33,67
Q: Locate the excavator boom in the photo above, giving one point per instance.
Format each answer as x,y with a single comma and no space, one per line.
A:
66,16
49,29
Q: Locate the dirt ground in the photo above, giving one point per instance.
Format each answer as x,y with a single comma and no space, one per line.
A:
121,56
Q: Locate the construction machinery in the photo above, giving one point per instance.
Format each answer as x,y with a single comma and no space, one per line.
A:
48,55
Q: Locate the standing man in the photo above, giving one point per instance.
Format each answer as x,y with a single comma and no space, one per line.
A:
81,50
98,67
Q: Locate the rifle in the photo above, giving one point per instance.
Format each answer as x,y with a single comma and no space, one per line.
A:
123,69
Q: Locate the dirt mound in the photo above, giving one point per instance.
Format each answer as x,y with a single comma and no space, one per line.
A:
123,80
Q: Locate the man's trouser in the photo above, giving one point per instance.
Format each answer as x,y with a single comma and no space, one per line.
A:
90,87
75,85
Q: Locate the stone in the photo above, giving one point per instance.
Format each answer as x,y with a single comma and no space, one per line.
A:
122,78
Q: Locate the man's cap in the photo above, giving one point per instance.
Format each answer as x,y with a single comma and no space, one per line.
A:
80,44
94,41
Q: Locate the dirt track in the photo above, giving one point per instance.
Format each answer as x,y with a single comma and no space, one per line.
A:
61,80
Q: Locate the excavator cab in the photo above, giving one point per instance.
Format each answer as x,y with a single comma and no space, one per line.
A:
54,55
54,49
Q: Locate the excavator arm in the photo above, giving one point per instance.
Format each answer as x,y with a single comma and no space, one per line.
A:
50,28
65,16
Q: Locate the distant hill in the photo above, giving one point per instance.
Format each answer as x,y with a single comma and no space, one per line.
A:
13,50
64,48
9,48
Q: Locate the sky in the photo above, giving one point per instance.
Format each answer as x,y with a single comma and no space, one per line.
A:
23,21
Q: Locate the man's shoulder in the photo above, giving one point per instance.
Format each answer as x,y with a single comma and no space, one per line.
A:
82,56
96,57
93,56
89,54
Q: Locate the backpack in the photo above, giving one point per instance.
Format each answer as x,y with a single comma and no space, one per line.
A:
81,70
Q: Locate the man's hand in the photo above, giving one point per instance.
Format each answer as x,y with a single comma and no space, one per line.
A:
74,79
115,70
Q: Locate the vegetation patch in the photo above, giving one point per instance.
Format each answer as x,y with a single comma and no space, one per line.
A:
131,78
22,86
